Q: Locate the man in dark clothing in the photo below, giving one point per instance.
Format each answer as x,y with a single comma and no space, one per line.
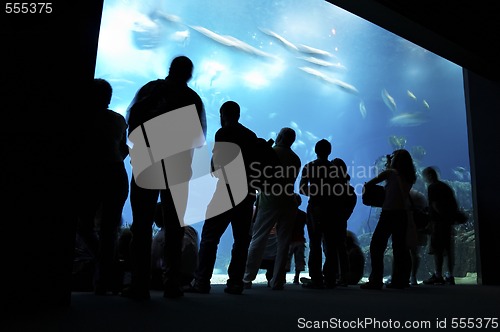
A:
152,100
442,207
239,216
318,183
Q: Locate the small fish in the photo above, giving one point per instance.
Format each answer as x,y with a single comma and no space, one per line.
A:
389,100
294,125
272,115
323,63
280,38
342,85
312,50
408,120
311,136
411,95
362,109
312,71
426,104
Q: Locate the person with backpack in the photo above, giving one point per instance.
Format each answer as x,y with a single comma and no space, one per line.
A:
239,216
155,99
277,206
317,182
443,208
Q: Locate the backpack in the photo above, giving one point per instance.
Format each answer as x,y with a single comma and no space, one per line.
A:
264,165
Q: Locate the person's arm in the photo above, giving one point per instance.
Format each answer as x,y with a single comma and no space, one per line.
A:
379,178
304,182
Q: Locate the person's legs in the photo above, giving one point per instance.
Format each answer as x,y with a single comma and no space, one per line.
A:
115,195
299,260
284,230
401,253
264,222
330,267
315,251
415,263
211,233
378,244
174,235
241,218
143,203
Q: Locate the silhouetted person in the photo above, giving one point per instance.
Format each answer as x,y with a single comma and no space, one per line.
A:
356,259
419,202
174,93
277,206
297,243
343,202
318,182
189,253
239,216
106,187
399,177
442,207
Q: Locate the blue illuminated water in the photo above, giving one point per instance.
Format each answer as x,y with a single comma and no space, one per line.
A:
277,85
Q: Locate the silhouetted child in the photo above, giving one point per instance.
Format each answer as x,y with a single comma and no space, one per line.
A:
298,244
189,253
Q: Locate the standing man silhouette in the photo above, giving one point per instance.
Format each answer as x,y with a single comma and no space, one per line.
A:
175,94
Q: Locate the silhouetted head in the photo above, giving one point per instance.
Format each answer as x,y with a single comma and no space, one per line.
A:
403,162
181,69
286,137
323,148
341,169
430,174
101,93
229,113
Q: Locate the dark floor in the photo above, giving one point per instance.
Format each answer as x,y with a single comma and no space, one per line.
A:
262,309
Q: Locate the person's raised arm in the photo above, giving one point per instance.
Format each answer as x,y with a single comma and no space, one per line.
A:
379,178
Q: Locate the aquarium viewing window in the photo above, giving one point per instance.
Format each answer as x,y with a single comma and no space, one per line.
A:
306,64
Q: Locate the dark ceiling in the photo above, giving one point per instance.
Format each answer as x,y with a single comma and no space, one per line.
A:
464,32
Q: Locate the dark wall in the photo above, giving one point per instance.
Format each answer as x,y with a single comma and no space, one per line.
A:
48,61
483,117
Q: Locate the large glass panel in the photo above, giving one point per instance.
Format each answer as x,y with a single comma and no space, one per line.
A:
308,65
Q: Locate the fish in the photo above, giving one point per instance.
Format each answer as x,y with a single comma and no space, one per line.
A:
389,100
362,109
408,120
212,35
166,16
342,85
232,42
323,63
311,136
285,42
313,72
411,95
311,50
426,104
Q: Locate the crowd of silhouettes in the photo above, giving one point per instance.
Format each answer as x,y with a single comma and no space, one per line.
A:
268,226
